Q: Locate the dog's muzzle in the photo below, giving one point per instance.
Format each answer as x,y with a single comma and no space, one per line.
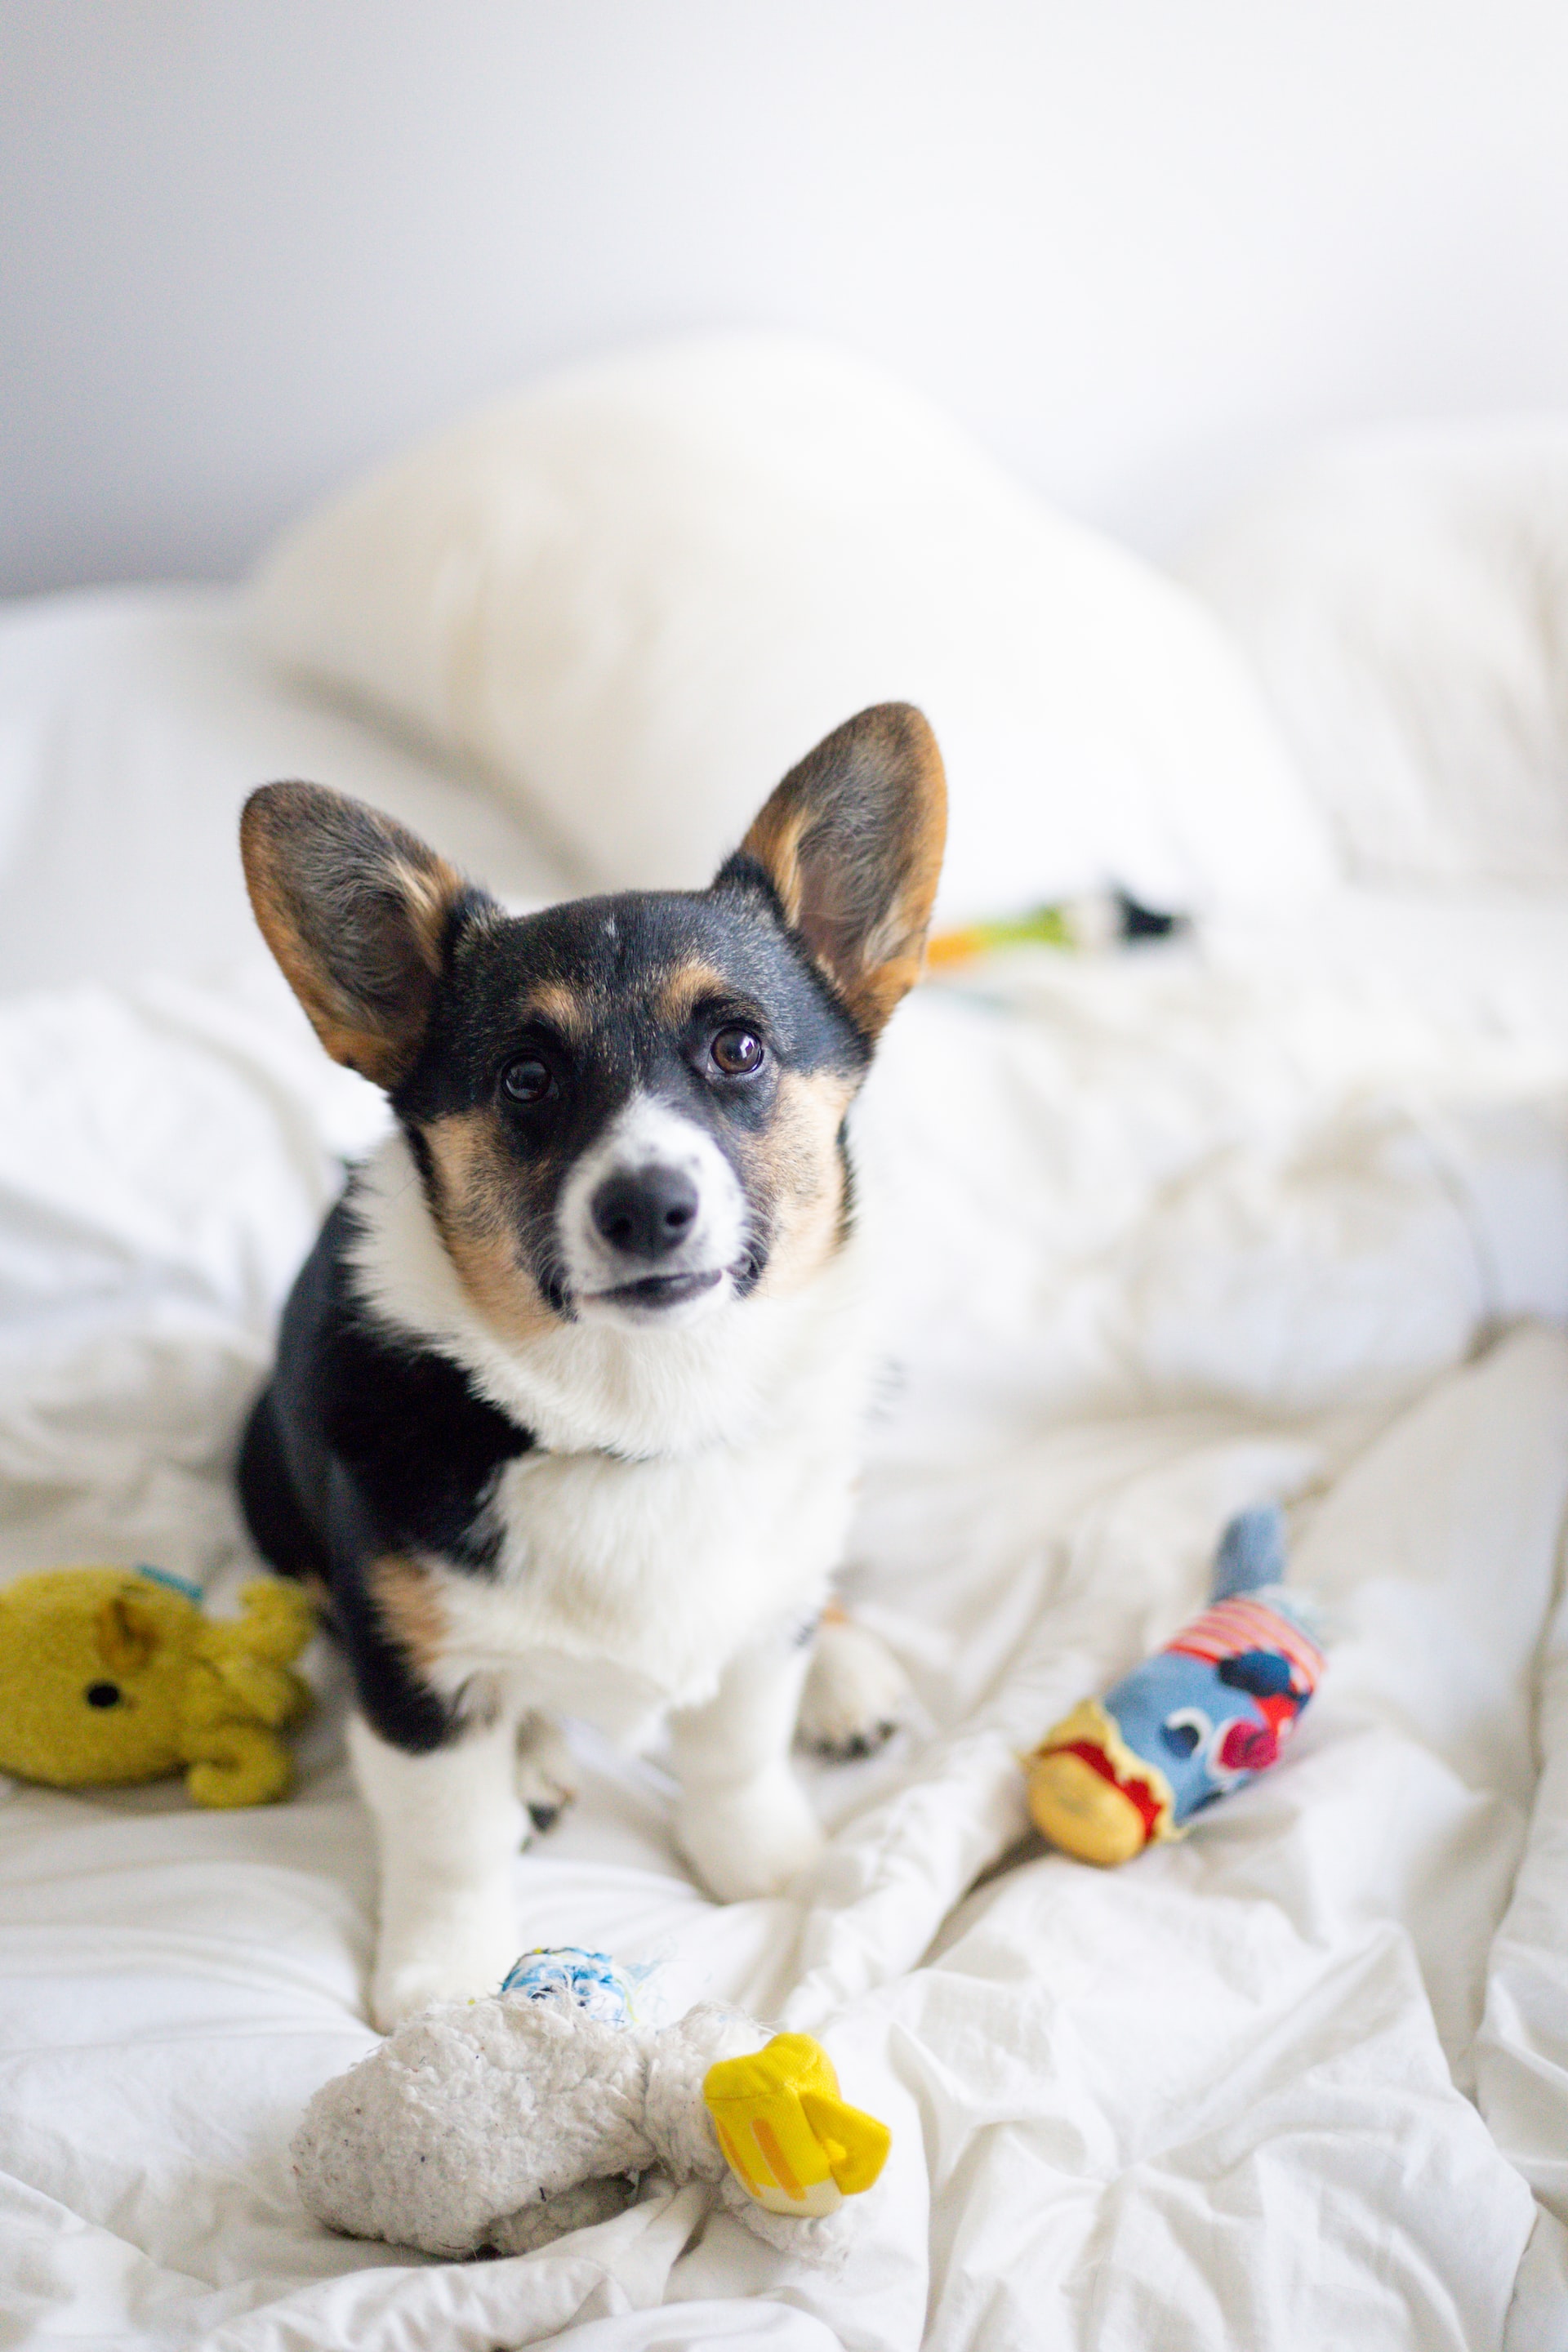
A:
644,1214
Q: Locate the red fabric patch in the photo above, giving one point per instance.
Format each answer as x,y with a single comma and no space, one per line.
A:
1142,1794
1248,1746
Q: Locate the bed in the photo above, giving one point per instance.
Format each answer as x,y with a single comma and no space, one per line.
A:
1278,1210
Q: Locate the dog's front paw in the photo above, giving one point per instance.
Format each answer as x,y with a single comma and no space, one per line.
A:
749,1840
857,1695
465,1961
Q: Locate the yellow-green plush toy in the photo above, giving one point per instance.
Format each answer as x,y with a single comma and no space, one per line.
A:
114,1675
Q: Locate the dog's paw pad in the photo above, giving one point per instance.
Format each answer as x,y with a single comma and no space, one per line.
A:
857,1695
866,1741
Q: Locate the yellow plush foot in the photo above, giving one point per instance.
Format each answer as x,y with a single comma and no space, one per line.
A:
278,1621
239,1764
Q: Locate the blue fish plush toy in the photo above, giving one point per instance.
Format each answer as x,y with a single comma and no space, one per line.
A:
1199,1718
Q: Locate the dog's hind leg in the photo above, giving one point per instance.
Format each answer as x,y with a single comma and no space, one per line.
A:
547,1777
857,1695
448,1824
743,1819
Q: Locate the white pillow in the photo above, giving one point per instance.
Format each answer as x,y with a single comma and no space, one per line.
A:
638,593
1404,597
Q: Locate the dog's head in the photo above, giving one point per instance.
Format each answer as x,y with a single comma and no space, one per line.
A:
626,1108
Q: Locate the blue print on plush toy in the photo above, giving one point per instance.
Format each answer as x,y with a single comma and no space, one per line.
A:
1198,1719
567,1976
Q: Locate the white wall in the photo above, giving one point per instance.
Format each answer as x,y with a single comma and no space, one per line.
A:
1143,247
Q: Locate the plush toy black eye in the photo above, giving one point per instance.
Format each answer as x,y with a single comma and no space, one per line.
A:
738,1052
103,1693
528,1079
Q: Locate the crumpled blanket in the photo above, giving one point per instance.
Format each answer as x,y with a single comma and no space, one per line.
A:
1160,1238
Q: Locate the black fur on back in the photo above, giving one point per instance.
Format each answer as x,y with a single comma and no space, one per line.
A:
365,1444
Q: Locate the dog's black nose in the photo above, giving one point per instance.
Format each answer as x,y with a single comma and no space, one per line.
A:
646,1212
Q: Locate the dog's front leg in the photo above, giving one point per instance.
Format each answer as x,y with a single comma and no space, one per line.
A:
448,1826
743,1819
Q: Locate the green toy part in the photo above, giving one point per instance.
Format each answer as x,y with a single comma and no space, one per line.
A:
111,1675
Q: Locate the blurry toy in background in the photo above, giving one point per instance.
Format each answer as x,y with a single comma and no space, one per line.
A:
111,1676
1200,1718
1086,926
499,2125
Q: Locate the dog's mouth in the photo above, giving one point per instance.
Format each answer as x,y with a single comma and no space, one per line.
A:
660,1290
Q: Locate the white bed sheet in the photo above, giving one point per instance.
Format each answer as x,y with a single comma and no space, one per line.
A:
1160,1236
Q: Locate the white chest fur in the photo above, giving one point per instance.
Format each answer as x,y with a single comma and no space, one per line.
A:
693,1488
658,1571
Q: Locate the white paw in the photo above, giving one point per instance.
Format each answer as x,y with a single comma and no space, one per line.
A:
546,1773
462,1959
749,1840
857,1695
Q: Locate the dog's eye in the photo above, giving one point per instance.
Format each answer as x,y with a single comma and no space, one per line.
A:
738,1052
528,1079
103,1694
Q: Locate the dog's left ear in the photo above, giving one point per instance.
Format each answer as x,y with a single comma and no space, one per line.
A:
851,842
358,913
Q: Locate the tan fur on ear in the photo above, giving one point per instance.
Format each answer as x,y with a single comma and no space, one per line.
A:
852,842
355,910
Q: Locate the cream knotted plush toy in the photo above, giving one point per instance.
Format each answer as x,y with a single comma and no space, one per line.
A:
498,2125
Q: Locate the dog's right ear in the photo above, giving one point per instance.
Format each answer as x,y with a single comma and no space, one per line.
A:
851,845
358,913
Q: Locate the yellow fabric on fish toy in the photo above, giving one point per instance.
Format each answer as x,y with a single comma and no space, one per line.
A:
110,1675
787,2137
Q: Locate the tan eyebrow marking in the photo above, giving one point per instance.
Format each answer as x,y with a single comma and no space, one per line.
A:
685,989
560,1007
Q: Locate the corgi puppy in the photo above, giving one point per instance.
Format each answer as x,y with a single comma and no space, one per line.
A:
568,1397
